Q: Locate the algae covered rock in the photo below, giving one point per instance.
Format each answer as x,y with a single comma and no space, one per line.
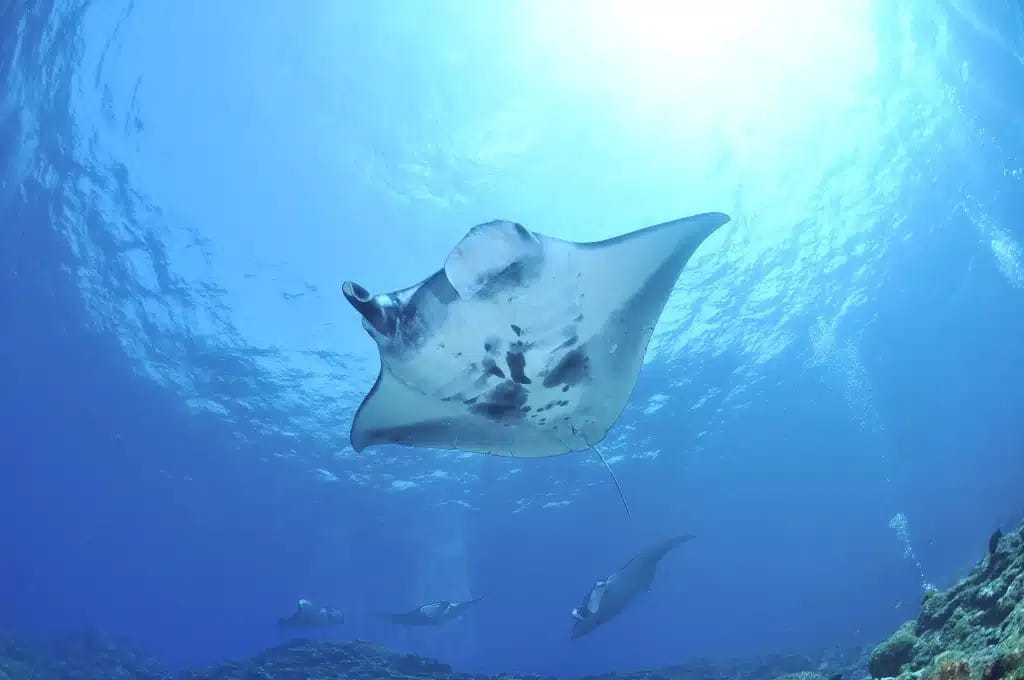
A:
888,658
84,656
804,675
16,670
309,659
972,631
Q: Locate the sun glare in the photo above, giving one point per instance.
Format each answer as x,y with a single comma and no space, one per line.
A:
717,57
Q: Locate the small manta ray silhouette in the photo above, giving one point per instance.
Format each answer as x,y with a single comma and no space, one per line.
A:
308,615
431,614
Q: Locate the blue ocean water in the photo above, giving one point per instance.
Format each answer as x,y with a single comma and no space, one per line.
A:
831,402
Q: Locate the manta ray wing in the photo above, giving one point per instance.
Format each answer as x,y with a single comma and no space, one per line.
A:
522,345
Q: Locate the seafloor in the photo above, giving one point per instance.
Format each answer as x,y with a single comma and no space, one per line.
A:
973,631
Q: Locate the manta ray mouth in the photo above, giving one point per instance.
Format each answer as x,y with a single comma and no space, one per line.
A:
368,307
355,293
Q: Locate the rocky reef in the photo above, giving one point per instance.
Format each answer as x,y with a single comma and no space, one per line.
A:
91,657
362,661
304,659
82,656
836,665
973,631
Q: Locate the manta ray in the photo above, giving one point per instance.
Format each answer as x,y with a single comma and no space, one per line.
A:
522,344
609,596
431,614
308,615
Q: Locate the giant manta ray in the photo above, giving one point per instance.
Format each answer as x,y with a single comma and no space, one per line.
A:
522,344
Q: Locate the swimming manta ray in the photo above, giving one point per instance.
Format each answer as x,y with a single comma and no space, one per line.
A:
522,344
308,615
609,596
432,614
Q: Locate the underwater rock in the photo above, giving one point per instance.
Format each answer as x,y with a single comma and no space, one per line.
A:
91,657
889,657
973,631
17,670
764,668
84,656
803,675
360,660
313,659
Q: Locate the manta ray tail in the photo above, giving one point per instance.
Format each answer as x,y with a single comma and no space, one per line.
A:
614,478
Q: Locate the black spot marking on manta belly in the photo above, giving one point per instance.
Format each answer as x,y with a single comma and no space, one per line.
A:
565,388
517,367
517,330
570,370
502,403
471,400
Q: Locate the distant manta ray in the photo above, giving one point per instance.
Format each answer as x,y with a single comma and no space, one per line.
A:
308,615
609,596
522,344
431,614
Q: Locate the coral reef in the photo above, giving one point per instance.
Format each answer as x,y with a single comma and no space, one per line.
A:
848,664
973,631
313,660
304,659
82,656
360,660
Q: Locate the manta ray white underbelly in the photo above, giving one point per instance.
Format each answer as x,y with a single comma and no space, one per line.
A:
522,344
